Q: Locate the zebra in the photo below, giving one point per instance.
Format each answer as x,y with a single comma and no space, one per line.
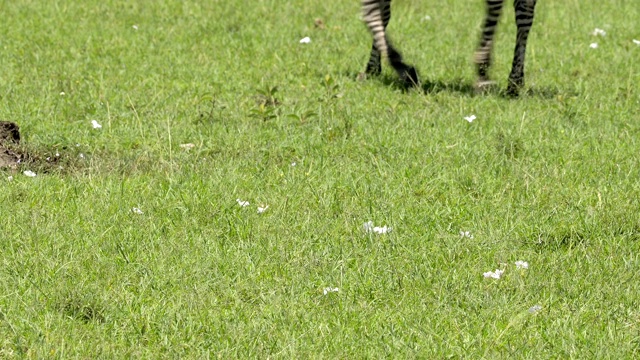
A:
376,15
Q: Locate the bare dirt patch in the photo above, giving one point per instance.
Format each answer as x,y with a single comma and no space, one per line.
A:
14,155
9,137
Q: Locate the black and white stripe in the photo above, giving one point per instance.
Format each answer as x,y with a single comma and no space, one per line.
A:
376,14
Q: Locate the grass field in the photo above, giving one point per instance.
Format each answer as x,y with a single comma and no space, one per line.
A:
551,178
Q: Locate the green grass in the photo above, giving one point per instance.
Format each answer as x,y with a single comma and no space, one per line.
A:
551,178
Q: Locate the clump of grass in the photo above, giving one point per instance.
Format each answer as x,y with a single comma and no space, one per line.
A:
82,307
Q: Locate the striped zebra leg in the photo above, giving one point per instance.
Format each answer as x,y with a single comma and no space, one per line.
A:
374,66
376,14
482,56
524,20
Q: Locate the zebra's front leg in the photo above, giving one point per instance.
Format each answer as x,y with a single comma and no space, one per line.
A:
380,9
482,56
524,21
376,14
374,66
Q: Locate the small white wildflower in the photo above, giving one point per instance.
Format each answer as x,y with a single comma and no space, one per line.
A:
535,308
522,264
136,210
329,290
262,209
135,27
426,18
493,274
187,146
62,93
368,226
466,234
470,118
10,178
81,155
381,230
598,32
29,173
57,154
305,40
637,42
95,124
242,203
594,45
293,163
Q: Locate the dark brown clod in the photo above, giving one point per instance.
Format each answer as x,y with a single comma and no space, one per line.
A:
9,132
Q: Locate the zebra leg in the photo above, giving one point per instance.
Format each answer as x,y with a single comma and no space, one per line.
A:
376,14
374,66
482,56
524,21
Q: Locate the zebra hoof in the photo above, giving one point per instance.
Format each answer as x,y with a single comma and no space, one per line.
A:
513,91
515,85
373,70
409,77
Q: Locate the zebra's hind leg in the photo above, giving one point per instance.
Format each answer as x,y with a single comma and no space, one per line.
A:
407,73
482,56
524,21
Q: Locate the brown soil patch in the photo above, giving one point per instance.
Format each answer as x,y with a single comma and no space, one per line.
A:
9,137
14,155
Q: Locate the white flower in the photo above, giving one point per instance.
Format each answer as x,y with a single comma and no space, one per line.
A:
242,203
10,178
522,264
135,27
95,124
466,234
293,163
493,274
305,40
136,210
381,230
535,308
594,45
470,118
62,93
262,209
426,18
187,146
600,32
81,155
29,173
329,290
368,227
637,42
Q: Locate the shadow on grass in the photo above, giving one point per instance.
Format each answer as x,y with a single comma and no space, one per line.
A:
462,86
559,240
